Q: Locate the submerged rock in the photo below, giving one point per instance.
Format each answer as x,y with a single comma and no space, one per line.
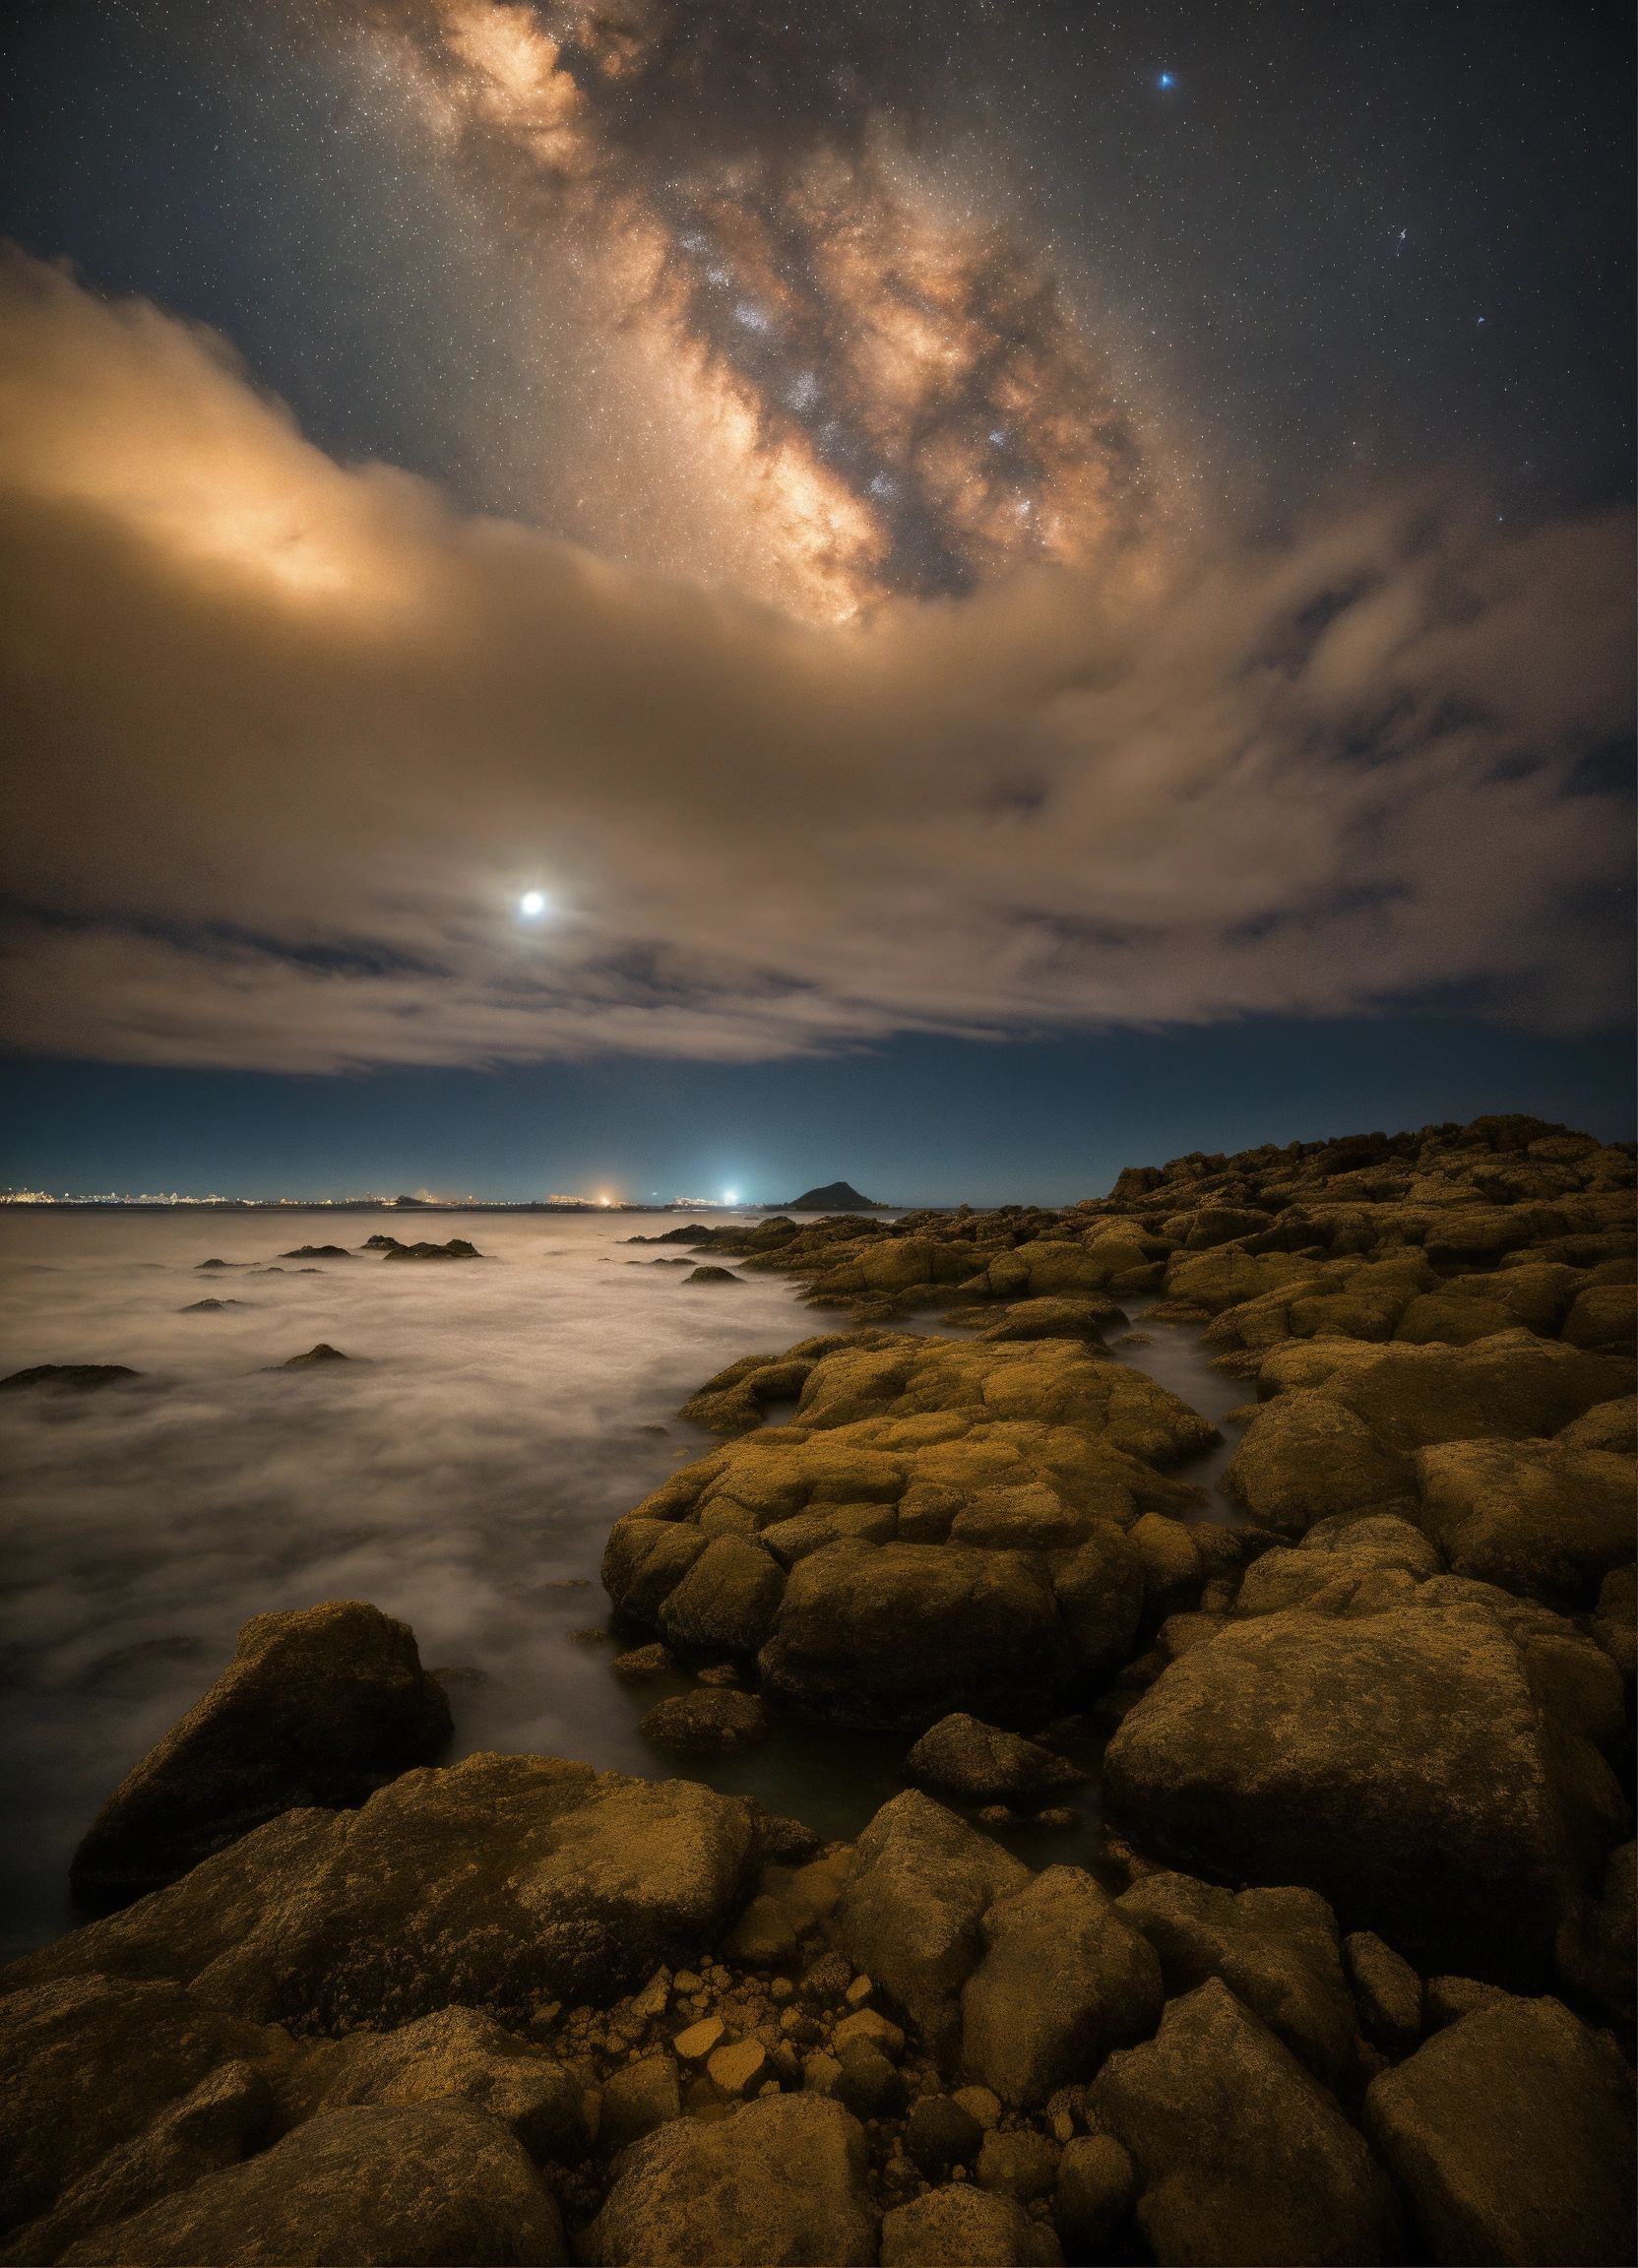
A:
322,1706
962,1756
706,1724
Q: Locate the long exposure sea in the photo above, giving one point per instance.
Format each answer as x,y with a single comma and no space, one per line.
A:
459,1469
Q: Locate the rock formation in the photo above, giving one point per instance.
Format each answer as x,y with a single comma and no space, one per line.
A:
1352,1979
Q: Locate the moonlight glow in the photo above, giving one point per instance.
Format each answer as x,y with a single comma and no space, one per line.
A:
531,904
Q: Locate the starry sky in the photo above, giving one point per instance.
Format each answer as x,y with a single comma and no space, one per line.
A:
664,594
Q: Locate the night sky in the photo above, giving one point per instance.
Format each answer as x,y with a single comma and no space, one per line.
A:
670,597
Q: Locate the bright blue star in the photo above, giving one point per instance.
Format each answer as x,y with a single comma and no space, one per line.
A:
1166,80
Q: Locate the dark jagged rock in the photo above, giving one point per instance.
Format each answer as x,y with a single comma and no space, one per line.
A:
456,1250
318,1707
712,1275
67,1377
318,1252
210,1306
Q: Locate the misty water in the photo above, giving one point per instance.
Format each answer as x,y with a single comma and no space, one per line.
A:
461,1469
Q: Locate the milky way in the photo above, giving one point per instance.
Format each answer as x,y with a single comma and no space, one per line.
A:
894,391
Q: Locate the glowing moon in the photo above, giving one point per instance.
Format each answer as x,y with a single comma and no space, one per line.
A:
532,903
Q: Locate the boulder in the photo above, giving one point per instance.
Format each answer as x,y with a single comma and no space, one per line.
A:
1170,1557
1018,2163
1276,1950
1602,1318
1510,2134
1398,1764
902,1633
643,1563
979,1763
1100,1590
499,1883
319,1707
940,2134
962,2226
1096,2183
726,1602
867,2085
1346,1563
783,2183
1239,2154
1533,1517
1387,1992
231,2113
1306,1457
437,2183
1509,1386
912,1912
714,1722
87,2062
1064,1978
455,2054
1610,1425
638,2097
1048,1318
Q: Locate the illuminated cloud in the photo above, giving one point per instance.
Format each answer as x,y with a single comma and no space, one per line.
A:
291,742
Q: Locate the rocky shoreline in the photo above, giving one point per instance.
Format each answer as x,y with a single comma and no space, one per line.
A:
1352,1979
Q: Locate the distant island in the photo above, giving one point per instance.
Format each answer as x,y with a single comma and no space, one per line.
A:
835,1197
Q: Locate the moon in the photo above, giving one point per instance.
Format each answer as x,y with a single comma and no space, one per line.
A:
532,903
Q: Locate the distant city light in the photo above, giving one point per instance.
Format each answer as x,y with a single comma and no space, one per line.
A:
532,903
730,1196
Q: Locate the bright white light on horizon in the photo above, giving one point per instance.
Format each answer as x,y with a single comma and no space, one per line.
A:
730,1196
532,903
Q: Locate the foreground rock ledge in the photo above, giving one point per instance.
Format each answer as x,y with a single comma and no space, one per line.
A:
1180,2069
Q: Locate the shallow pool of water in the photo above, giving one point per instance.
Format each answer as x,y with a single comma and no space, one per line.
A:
461,1469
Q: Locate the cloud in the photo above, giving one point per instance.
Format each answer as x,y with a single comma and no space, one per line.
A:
288,741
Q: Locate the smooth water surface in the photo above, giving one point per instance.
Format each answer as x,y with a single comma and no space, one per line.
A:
461,1469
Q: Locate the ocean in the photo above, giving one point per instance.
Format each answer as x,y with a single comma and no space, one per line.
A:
461,1469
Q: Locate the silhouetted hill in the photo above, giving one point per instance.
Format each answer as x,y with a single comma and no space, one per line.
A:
835,1197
